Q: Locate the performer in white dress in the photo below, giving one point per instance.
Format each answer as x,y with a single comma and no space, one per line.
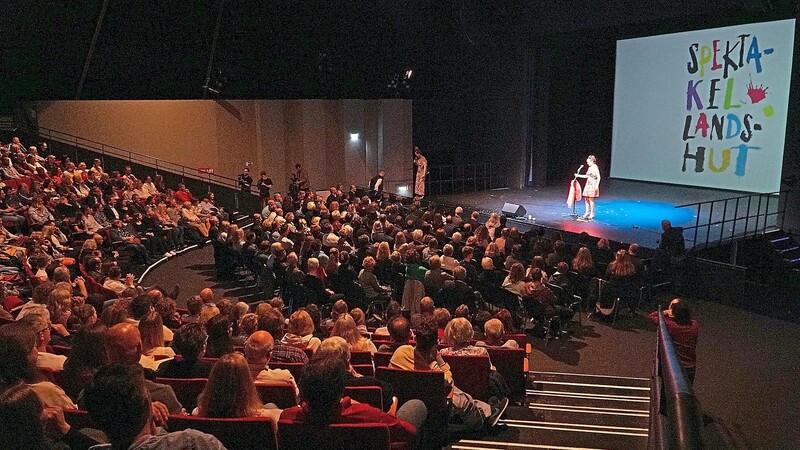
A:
591,189
422,169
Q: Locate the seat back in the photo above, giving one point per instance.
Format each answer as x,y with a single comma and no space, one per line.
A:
360,358
282,395
424,385
78,419
61,350
186,389
382,359
368,370
371,395
250,433
510,363
470,374
521,339
296,369
367,436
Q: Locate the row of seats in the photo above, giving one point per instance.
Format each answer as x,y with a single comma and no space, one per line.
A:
257,433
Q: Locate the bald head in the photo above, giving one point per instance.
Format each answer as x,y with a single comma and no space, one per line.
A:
207,295
258,348
124,344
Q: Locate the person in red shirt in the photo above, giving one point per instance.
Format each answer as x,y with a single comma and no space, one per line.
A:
684,332
321,389
183,195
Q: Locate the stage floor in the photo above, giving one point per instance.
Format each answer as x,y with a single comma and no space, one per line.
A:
627,211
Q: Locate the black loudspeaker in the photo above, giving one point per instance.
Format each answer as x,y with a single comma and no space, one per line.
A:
513,210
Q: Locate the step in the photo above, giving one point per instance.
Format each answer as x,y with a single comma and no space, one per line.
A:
538,376
584,400
589,416
537,435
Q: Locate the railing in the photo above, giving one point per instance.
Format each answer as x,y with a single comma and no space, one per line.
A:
112,158
132,157
453,179
745,215
675,419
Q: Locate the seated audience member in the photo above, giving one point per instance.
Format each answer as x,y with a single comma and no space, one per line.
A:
672,242
399,332
190,344
41,326
459,332
152,332
493,332
339,308
193,305
300,332
345,327
442,317
448,262
358,316
470,413
220,341
336,347
142,305
435,277
119,402
369,282
273,323
258,351
25,423
88,353
17,365
392,310
114,281
684,332
457,291
125,347
231,392
426,309
321,389
515,281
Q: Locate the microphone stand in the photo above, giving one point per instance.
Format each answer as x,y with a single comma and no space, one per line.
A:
574,213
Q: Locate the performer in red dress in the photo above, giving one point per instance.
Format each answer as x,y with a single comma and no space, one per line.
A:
591,189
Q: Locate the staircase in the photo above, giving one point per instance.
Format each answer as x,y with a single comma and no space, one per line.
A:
574,411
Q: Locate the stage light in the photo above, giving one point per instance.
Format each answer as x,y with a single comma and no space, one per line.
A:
409,74
353,137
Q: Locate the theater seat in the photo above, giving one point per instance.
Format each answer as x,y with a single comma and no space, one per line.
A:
510,363
78,419
470,374
360,358
296,369
283,395
366,436
427,386
364,369
382,359
186,389
371,395
250,433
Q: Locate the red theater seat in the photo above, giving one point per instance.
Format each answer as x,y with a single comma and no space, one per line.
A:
249,433
366,436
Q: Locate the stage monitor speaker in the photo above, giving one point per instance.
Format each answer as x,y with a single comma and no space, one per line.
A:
513,210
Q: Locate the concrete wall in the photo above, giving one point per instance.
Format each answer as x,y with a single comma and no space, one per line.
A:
273,134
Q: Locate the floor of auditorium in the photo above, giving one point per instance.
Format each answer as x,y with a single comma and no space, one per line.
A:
747,378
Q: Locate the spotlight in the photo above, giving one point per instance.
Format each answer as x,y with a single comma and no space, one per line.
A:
353,137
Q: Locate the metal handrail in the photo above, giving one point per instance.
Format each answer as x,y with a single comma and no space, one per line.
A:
130,156
736,201
677,423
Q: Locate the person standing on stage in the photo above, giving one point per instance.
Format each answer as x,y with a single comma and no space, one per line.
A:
422,169
591,189
376,183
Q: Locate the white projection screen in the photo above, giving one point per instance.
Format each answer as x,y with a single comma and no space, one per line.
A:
704,108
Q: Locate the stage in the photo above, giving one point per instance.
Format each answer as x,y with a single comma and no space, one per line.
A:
627,211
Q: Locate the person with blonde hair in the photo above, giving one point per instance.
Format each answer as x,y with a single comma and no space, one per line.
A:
346,328
336,347
300,331
231,392
152,331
